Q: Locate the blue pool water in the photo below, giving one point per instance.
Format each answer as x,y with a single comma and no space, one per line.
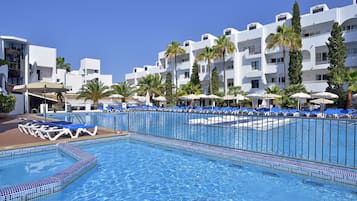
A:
331,141
137,171
27,168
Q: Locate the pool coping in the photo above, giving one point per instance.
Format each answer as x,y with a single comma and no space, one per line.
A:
331,174
52,184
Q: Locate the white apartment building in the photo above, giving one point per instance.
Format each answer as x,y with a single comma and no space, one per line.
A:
253,66
27,63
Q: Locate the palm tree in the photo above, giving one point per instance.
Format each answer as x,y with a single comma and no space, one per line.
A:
151,84
60,64
124,89
274,90
208,55
224,46
286,38
191,88
351,80
235,90
94,91
172,51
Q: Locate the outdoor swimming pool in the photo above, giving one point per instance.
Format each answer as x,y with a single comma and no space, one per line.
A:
130,170
325,140
27,168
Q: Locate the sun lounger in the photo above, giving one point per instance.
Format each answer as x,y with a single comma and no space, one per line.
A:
73,130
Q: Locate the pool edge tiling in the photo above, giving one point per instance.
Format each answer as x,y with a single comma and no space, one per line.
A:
51,184
328,173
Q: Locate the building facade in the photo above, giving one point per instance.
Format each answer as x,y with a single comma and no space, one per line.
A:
254,67
27,63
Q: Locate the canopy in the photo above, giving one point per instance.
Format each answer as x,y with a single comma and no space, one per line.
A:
212,96
327,95
189,97
240,97
116,96
229,97
160,99
300,96
40,87
255,95
271,96
321,101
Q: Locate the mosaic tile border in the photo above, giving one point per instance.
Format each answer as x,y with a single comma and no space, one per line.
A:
319,171
51,184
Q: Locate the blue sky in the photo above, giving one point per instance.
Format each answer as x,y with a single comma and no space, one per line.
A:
129,33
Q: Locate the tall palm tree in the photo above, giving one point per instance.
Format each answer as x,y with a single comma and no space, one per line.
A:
351,80
94,91
208,55
151,84
172,51
60,64
224,46
124,89
286,38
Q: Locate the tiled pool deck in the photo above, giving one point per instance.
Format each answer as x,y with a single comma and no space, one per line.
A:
86,161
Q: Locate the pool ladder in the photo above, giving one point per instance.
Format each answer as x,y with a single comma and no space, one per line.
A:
79,117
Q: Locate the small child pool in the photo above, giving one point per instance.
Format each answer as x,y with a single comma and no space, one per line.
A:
31,167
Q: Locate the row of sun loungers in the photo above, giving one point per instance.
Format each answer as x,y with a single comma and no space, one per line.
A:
55,129
274,111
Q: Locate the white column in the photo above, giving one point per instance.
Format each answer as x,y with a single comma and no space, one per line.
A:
26,77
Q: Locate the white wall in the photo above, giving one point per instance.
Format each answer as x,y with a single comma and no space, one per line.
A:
19,105
89,63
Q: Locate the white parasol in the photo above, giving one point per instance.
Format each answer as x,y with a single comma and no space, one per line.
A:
300,96
326,95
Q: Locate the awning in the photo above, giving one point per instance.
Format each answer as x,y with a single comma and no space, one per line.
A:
39,96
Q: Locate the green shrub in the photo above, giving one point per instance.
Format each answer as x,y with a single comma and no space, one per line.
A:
7,103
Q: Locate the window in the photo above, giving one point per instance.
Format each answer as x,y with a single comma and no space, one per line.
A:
255,65
57,80
255,84
38,75
230,66
253,26
146,68
317,10
321,57
205,37
281,18
202,68
349,27
276,60
187,75
230,82
318,77
227,33
273,79
187,44
95,71
321,77
281,79
352,51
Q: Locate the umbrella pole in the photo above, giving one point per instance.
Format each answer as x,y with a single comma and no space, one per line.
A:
44,95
